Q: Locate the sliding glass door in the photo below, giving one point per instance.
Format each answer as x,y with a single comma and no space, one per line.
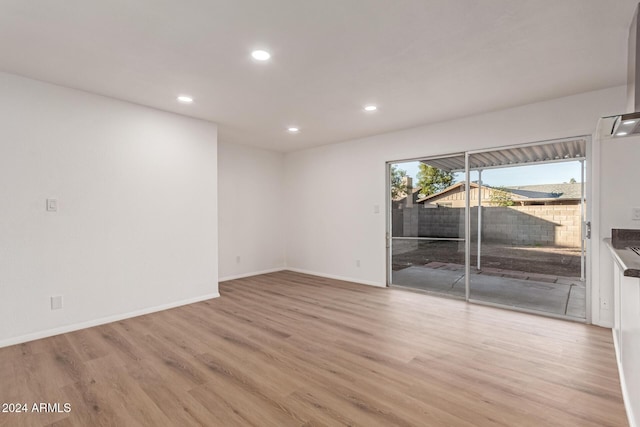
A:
427,238
526,241
501,227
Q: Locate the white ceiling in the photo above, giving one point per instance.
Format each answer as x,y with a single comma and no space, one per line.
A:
421,61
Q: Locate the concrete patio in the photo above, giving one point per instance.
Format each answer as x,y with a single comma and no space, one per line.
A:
545,293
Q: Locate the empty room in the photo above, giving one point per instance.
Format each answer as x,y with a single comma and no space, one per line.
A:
306,213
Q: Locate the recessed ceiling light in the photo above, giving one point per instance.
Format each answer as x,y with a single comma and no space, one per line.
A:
370,108
628,122
185,99
621,134
260,55
293,129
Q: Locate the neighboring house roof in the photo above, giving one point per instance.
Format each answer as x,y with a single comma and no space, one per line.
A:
548,191
525,192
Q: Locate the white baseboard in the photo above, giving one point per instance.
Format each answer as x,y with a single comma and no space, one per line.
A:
623,383
604,318
333,276
101,321
253,273
603,324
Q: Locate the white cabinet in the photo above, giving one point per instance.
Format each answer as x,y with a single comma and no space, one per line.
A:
627,335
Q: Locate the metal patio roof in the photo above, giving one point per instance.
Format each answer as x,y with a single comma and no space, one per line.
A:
517,155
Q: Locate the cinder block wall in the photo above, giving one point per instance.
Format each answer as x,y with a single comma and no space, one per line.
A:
538,225
549,225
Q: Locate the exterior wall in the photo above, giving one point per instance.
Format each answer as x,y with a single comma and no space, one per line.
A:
456,197
549,225
556,225
442,222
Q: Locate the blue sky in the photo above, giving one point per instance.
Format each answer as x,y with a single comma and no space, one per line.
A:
549,173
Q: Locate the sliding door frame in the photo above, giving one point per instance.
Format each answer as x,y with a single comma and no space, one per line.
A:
586,216
389,232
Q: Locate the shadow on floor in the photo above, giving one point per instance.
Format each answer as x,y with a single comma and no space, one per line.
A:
563,296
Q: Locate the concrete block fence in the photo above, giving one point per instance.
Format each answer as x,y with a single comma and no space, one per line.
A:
547,225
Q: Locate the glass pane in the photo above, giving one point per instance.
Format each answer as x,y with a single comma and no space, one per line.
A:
530,237
428,214
431,265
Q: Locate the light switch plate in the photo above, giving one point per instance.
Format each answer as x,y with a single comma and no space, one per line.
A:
52,205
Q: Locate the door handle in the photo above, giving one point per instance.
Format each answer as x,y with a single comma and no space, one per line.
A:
587,230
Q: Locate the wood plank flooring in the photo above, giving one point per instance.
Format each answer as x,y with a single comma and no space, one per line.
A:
287,349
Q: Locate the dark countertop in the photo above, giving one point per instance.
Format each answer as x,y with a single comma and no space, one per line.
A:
624,237
626,258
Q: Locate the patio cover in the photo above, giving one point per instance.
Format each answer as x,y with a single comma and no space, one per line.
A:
574,149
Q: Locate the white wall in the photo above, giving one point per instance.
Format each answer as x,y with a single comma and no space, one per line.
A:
619,178
332,190
136,227
251,213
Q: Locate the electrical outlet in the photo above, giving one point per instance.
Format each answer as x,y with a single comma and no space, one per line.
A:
56,302
376,209
238,259
357,263
635,214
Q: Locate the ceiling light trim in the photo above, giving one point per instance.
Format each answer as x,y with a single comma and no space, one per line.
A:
260,55
185,99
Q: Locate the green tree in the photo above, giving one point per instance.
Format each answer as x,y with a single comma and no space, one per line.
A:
501,197
572,181
398,183
432,180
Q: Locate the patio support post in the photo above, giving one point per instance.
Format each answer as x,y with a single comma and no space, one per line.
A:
479,215
582,222
467,228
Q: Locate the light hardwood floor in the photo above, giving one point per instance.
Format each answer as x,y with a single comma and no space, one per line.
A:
287,349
